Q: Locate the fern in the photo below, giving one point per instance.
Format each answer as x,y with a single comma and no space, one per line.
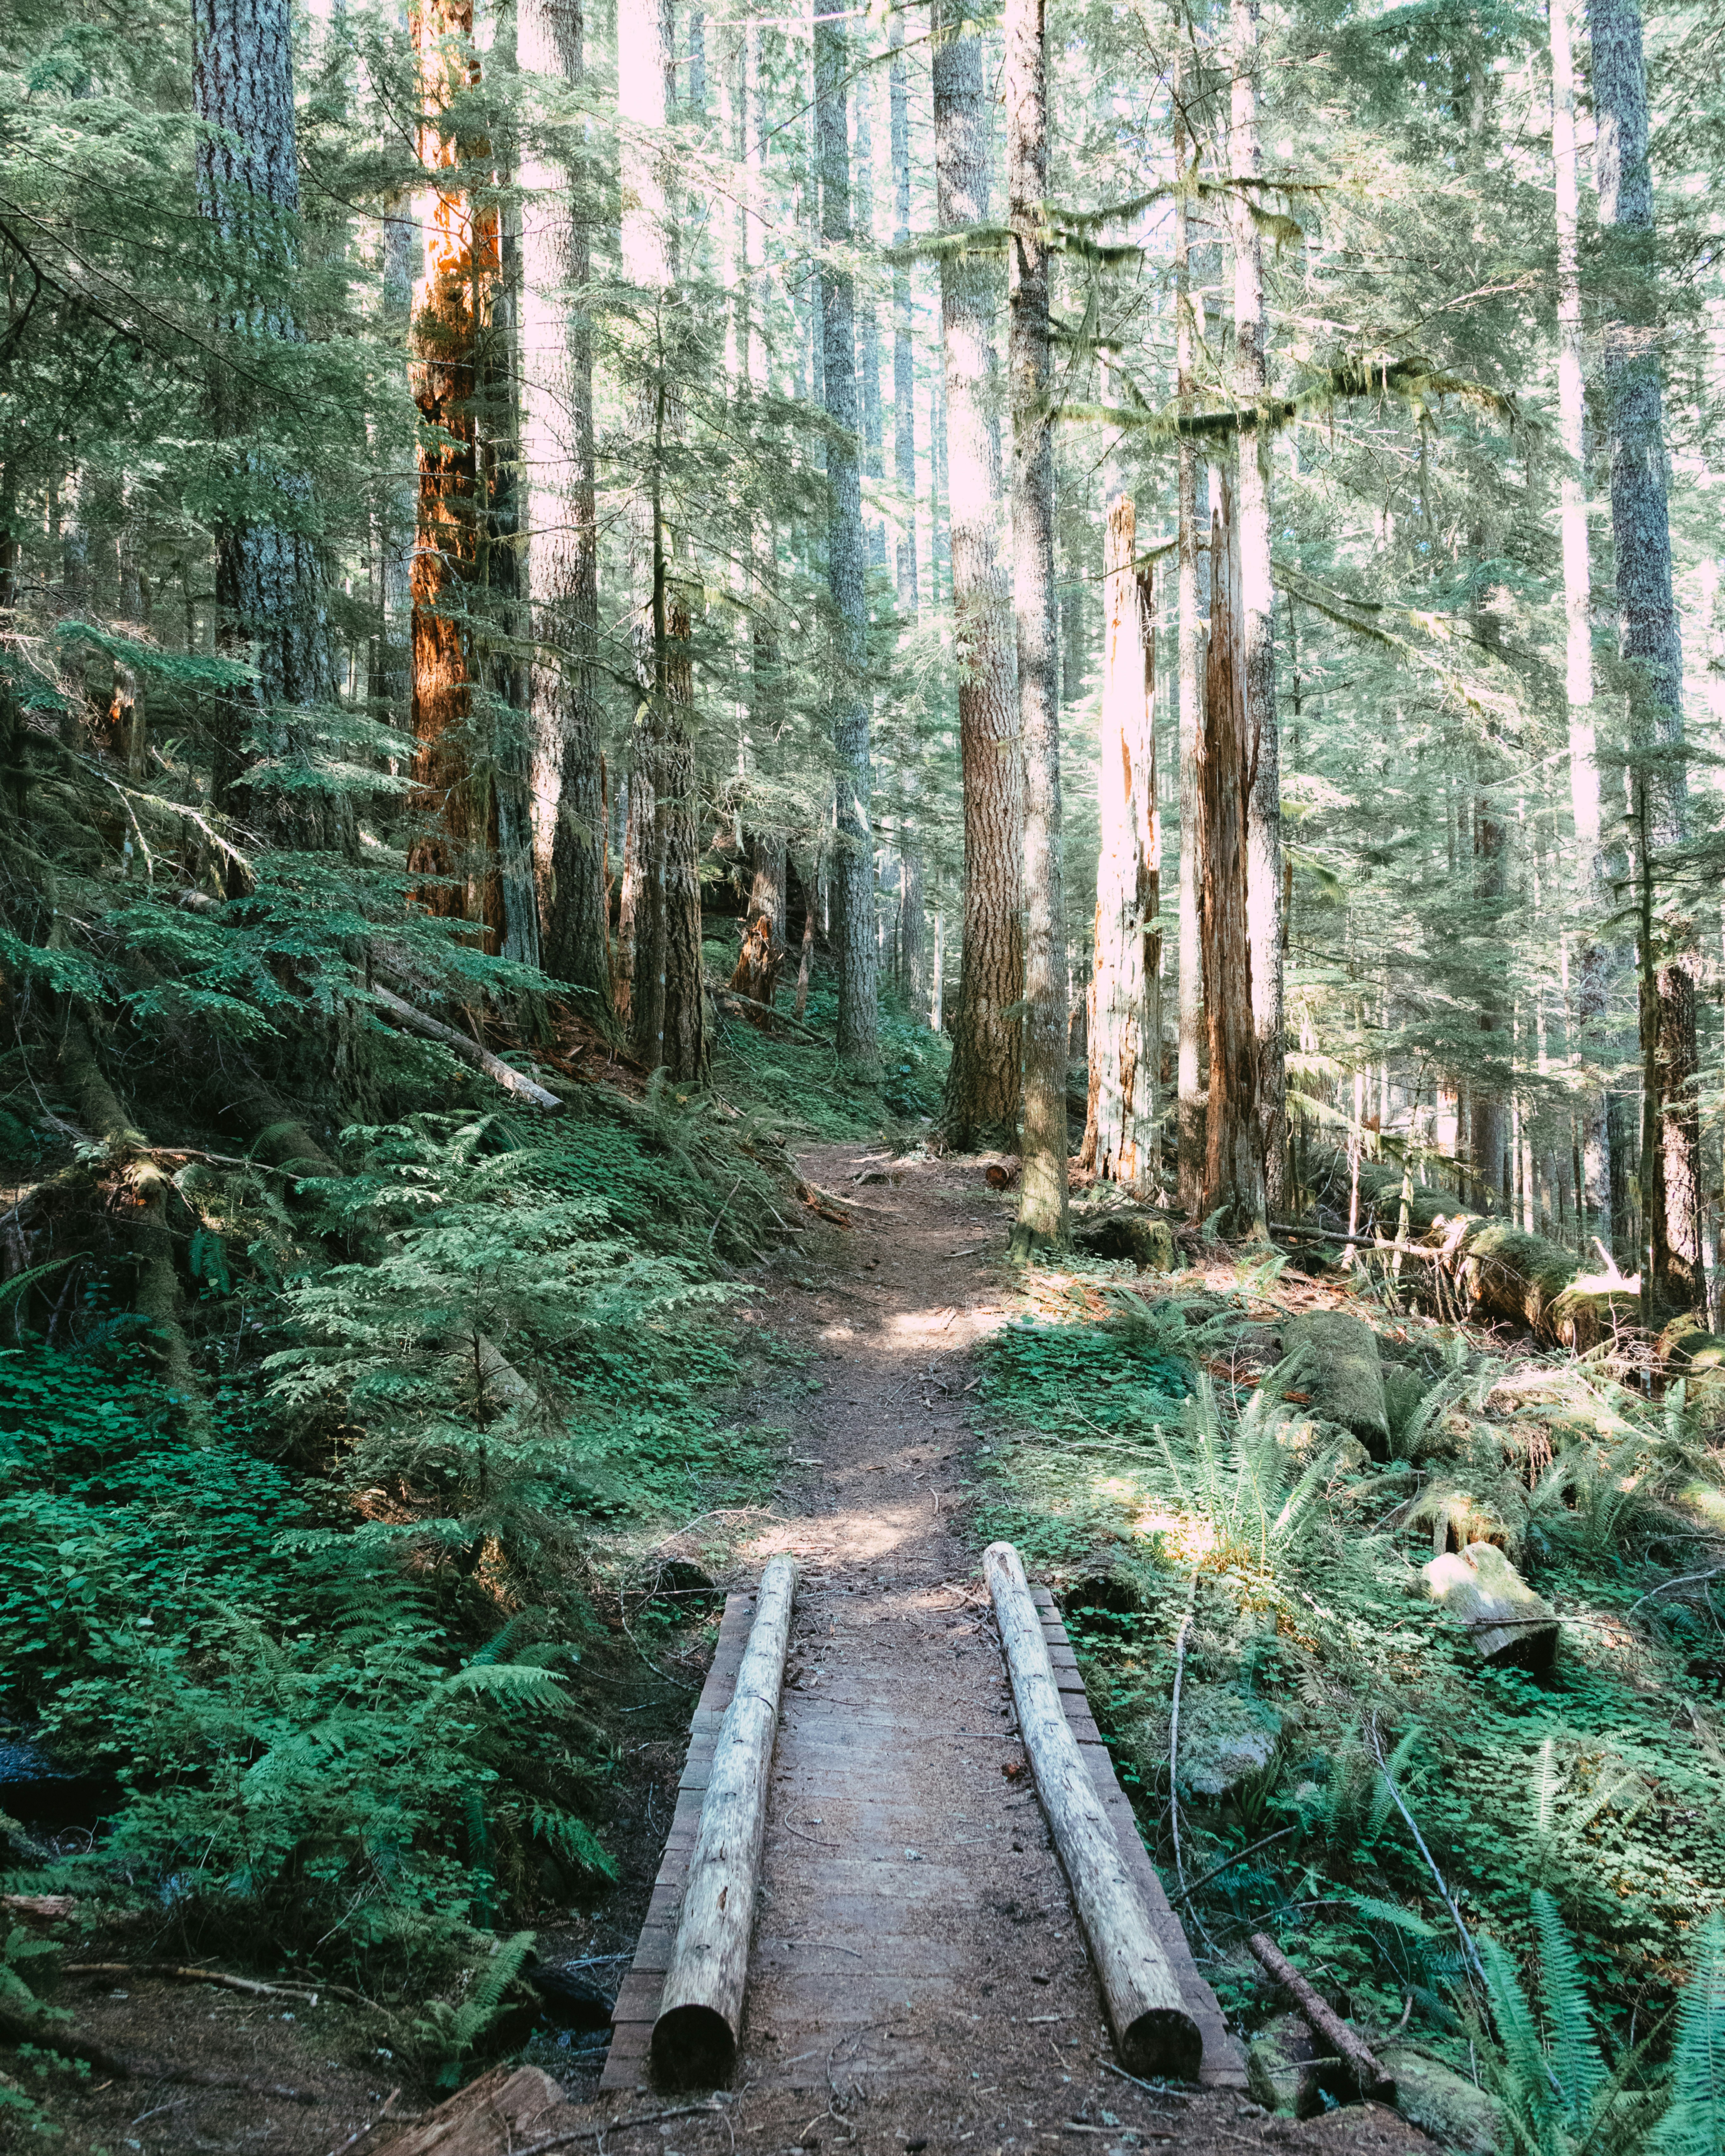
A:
1694,2124
449,2033
1579,2068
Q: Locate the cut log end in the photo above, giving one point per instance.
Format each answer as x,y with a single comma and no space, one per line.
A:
693,2048
1164,2045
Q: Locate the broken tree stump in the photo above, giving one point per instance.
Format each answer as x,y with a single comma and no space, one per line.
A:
1481,1590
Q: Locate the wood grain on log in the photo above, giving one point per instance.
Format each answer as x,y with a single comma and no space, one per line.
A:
1153,2030
1349,2046
701,2010
1481,1590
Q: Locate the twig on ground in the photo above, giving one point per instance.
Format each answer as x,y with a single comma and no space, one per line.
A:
371,2125
1396,1798
575,2133
1240,1857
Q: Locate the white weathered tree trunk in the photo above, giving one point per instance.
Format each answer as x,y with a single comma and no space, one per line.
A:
1649,636
1264,892
982,1082
1593,956
854,867
1153,2030
1042,1217
562,547
1194,608
1124,1016
700,2018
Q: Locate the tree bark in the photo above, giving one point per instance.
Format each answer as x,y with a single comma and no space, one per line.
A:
1193,659
1042,1218
982,1088
854,866
1264,894
667,1003
1648,632
1234,1174
269,585
904,362
1125,1019
1591,898
563,546
456,849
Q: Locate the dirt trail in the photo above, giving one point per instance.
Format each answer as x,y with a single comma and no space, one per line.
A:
919,1980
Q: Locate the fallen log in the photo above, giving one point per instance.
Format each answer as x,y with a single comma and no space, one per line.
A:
1347,2044
700,2018
1481,1590
1154,2032
495,1068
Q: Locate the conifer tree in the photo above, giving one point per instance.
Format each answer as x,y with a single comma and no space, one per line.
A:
269,582
854,866
1648,632
563,538
1042,1219
983,1084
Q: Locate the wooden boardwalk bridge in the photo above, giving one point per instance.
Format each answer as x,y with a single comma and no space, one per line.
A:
911,1919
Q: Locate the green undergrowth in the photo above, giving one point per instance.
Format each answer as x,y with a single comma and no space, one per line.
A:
802,1084
1326,1701
336,1654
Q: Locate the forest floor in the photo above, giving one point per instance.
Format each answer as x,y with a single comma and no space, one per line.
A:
1000,2044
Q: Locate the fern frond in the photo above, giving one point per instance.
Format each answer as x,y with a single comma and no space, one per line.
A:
1580,2068
1521,2076
1694,2125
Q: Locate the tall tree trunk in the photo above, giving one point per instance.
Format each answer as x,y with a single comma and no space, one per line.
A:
1042,1219
456,849
1592,957
1648,632
1194,606
868,320
1234,1171
563,546
904,363
1125,1020
982,1095
666,1002
854,866
269,587
508,744
1258,621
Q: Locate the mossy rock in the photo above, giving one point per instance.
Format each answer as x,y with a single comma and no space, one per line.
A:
1276,2059
1342,1374
1225,1738
1687,1342
1442,2102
